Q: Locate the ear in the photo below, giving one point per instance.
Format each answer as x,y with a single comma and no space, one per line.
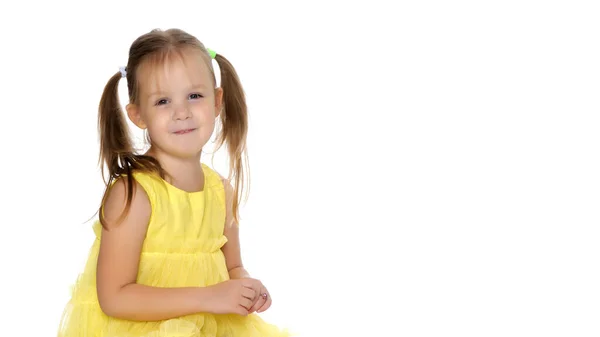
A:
218,101
133,112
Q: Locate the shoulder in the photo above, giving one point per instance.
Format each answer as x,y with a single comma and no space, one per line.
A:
226,183
215,179
126,202
229,196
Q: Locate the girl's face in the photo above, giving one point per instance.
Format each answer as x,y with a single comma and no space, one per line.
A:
178,104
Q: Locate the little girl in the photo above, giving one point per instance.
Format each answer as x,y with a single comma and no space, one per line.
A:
166,260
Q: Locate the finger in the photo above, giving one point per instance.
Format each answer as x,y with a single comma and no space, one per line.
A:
254,284
241,311
249,293
250,286
249,283
262,297
259,303
246,303
266,305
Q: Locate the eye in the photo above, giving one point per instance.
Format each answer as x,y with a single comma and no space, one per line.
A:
161,101
195,96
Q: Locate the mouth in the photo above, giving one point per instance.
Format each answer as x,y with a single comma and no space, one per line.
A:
184,131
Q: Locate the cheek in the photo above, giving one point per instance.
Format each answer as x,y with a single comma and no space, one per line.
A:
207,121
205,114
158,124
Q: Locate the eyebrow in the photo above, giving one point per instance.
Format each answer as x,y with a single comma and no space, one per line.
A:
195,86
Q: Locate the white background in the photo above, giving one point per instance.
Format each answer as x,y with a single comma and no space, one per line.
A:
418,168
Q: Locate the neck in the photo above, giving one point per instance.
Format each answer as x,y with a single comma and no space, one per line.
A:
183,173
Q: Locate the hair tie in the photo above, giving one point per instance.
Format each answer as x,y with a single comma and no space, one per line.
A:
123,71
211,52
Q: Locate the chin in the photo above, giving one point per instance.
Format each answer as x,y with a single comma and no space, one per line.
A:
183,148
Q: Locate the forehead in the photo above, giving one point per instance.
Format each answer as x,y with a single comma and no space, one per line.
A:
173,70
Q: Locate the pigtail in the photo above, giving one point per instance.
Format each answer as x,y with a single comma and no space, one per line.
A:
234,119
116,149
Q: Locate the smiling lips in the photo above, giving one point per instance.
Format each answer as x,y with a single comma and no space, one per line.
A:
184,131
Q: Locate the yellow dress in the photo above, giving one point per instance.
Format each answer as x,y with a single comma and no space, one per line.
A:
181,249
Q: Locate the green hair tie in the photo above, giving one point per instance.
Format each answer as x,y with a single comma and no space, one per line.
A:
211,52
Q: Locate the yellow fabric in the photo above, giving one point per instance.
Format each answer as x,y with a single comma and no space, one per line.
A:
182,248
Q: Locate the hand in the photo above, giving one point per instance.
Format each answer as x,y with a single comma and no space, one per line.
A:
262,302
232,297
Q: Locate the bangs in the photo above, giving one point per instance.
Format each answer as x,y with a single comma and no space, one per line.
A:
154,69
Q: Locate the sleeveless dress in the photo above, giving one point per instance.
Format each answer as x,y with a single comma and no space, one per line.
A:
182,248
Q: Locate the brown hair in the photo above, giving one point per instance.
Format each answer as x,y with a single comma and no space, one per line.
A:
116,149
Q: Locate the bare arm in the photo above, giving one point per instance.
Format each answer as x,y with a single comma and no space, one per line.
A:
233,257
231,249
118,293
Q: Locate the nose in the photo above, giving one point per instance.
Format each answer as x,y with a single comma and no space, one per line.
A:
182,111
